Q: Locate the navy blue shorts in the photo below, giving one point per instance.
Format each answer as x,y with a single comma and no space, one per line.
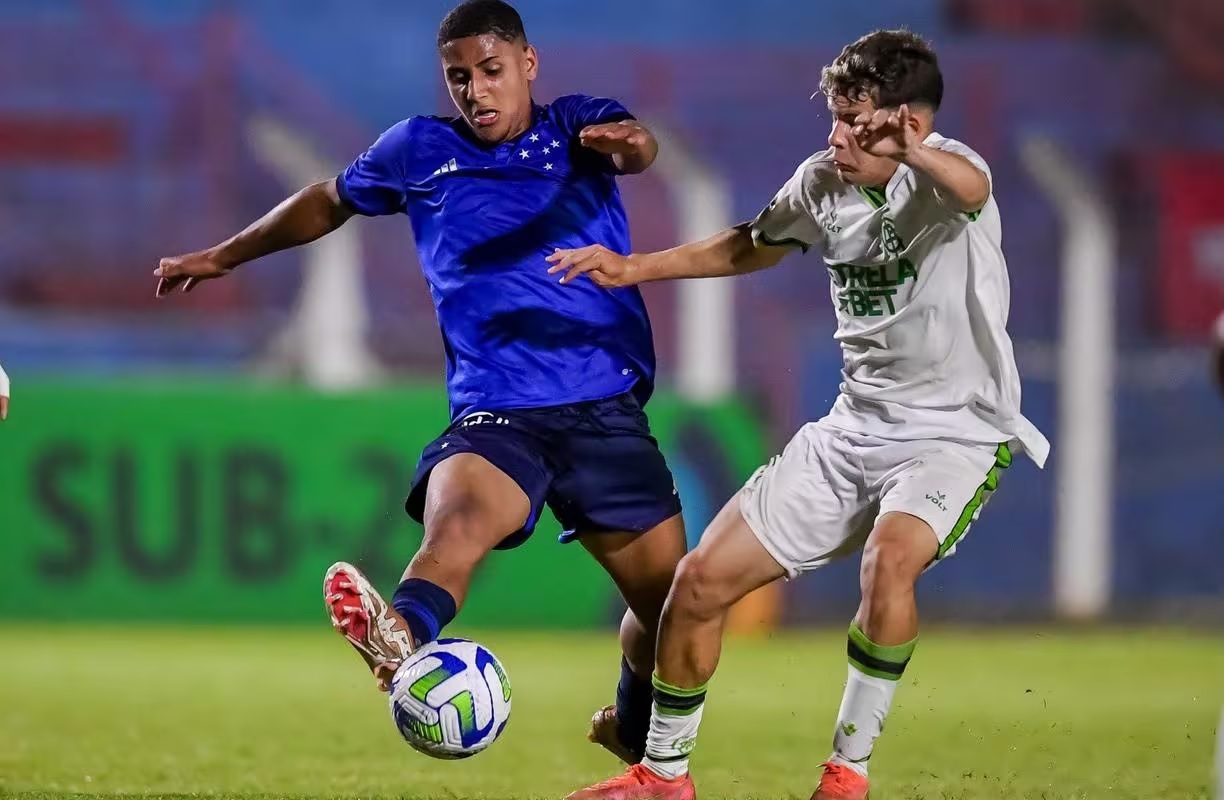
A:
595,464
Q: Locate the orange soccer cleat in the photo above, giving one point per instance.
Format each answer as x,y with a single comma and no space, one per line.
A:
638,783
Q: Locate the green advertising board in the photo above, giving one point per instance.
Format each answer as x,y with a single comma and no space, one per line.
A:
227,501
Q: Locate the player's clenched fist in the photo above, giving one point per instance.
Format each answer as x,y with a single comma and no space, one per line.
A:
188,270
605,268
615,138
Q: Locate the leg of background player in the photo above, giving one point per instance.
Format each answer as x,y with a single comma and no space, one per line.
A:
471,506
880,640
642,567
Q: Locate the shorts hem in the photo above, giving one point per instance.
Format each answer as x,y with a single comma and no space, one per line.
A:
572,534
415,503
791,569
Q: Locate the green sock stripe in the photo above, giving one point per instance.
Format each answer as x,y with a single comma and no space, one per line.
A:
667,759
890,654
669,711
874,672
675,691
1004,457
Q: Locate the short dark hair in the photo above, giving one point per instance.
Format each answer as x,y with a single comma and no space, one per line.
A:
888,67
479,17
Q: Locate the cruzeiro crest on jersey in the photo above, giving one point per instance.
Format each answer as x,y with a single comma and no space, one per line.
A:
869,291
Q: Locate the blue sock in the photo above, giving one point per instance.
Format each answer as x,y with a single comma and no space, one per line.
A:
633,710
426,606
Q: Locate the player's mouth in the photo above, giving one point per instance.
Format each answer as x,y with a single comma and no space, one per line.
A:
484,117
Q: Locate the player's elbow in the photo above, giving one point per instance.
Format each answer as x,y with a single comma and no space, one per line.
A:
973,195
638,161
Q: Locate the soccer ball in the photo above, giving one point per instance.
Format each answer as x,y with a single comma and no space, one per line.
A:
450,699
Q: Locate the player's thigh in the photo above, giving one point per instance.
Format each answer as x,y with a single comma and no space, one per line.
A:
610,474
944,484
469,496
641,564
808,505
729,562
486,472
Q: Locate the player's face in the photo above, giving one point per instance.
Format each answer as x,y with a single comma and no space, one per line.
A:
490,81
854,165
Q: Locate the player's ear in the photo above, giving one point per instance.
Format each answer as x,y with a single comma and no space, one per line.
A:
531,62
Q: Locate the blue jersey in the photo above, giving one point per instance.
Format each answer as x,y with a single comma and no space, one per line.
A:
484,218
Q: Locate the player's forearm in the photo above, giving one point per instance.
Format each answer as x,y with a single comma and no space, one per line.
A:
954,176
303,217
729,252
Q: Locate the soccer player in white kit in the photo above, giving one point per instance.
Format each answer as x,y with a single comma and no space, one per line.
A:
927,419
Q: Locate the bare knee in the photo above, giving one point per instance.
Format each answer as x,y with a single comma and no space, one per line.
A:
896,554
699,591
459,529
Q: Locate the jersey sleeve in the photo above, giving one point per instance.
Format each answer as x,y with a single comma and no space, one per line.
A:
577,111
790,219
374,184
958,148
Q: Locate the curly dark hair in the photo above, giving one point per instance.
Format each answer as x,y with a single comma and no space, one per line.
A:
479,17
888,67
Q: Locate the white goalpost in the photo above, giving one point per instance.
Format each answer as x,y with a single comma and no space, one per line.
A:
1085,449
706,325
325,340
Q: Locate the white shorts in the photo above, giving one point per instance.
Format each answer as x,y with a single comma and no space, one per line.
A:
821,497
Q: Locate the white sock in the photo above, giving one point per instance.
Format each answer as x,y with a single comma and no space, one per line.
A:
866,701
675,716
872,677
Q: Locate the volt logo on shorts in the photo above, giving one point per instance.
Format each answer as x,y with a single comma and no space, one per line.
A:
483,418
937,499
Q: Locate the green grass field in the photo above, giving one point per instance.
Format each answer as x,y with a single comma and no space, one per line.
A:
253,713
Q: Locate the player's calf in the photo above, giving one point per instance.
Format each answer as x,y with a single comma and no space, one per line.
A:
880,642
642,565
729,563
895,555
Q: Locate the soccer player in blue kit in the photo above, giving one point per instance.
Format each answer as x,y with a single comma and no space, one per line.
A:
546,382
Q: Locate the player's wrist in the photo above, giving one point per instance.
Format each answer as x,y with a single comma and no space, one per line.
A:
916,157
638,268
223,256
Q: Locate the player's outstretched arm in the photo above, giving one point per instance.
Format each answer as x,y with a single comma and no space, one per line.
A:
897,133
303,217
628,143
730,252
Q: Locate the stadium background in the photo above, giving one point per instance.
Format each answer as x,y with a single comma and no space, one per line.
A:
199,461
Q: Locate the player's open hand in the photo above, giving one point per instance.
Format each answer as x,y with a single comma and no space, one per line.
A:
887,132
606,268
187,271
615,138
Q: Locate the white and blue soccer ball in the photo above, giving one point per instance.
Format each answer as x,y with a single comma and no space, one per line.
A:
451,699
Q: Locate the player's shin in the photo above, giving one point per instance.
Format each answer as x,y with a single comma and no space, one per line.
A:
687,655
873,672
675,715
634,705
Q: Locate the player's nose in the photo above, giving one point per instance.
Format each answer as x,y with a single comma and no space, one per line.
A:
838,136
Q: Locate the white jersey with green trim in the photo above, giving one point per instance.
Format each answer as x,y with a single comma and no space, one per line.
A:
921,294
